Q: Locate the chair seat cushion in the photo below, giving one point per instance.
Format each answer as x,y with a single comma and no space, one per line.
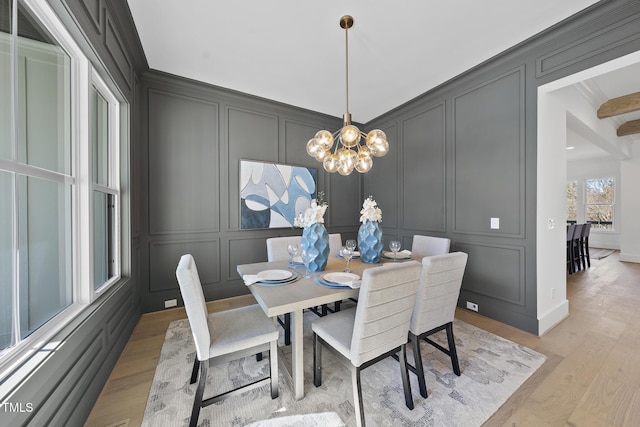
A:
337,330
238,329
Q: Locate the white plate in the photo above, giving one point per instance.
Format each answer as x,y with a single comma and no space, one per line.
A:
400,255
275,275
341,278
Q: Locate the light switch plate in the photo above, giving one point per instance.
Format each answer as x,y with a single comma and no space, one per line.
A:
495,223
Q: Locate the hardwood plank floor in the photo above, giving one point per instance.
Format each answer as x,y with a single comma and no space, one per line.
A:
591,376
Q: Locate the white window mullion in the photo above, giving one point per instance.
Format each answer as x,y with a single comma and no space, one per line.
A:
83,222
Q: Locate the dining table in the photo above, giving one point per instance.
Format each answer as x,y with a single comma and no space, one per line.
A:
296,296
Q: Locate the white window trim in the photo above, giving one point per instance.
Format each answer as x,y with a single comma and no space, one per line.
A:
82,76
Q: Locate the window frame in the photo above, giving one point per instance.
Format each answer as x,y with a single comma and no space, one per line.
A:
84,75
612,204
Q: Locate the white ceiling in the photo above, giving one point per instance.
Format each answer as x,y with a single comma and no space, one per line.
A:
601,88
293,51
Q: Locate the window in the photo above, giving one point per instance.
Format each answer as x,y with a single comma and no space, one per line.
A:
572,202
600,202
60,135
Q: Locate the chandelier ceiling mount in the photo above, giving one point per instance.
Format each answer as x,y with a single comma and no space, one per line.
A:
348,148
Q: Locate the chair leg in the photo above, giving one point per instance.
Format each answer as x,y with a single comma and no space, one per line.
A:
287,329
404,373
194,371
418,365
197,401
273,368
452,349
357,396
317,361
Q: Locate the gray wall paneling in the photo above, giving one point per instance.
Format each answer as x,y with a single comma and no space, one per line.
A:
64,381
192,140
483,123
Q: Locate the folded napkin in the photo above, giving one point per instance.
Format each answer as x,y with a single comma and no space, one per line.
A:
250,279
401,254
356,254
296,261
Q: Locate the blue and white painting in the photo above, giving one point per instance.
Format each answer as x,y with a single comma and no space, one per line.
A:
272,195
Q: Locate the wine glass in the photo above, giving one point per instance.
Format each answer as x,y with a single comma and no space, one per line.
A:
294,250
394,245
346,253
307,256
351,244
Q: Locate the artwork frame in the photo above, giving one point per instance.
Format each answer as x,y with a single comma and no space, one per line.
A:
273,194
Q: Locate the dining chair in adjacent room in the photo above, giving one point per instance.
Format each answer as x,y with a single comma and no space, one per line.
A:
423,246
435,308
577,264
376,328
224,336
571,230
584,245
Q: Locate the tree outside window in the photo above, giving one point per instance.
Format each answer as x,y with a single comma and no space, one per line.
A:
572,201
600,202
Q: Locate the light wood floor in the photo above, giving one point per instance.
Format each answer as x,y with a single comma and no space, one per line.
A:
591,377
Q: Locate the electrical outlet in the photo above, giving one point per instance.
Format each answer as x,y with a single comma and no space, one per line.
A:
472,306
495,223
553,293
170,303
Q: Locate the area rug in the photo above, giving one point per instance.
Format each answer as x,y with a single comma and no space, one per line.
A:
492,370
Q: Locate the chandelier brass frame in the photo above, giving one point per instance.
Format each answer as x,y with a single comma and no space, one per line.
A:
348,148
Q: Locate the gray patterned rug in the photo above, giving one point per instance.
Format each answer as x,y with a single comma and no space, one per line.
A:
492,369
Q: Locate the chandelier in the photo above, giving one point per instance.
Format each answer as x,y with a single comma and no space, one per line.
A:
348,148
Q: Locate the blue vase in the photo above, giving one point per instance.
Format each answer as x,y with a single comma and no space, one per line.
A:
315,240
370,242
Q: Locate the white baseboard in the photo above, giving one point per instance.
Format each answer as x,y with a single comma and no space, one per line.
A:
626,257
554,316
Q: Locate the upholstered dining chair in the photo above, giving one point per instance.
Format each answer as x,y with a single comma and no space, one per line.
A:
571,230
435,307
277,251
423,246
585,257
373,330
223,336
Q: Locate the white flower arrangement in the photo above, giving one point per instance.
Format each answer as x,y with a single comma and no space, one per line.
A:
370,211
312,215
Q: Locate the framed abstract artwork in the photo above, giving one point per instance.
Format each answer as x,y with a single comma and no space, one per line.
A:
271,194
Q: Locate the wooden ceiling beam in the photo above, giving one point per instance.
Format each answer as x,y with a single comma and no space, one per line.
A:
629,128
620,105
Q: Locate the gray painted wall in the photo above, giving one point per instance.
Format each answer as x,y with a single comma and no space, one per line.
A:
193,138
460,155
63,382
483,124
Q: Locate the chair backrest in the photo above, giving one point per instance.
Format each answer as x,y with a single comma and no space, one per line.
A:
578,232
428,246
437,295
335,243
195,304
571,229
277,247
386,300
586,228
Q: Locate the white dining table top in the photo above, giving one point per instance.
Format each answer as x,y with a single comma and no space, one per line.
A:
303,293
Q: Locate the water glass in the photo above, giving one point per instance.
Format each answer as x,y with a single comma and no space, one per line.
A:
294,250
346,253
306,259
394,245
